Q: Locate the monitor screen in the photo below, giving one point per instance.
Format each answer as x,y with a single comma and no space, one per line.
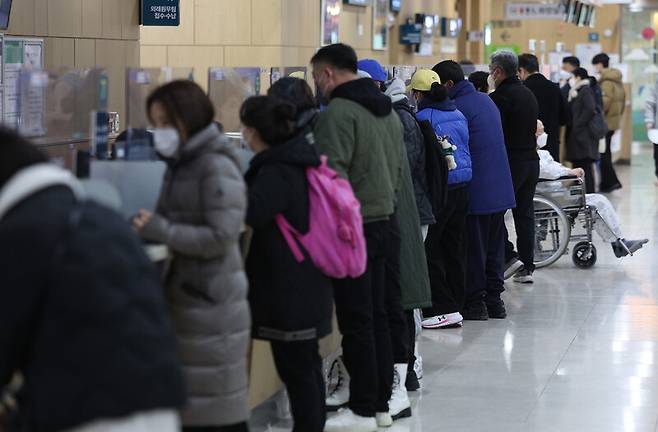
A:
5,9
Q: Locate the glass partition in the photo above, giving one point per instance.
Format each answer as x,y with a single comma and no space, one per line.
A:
228,88
56,106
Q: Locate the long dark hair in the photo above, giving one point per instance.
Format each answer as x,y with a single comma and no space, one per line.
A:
16,153
273,118
186,104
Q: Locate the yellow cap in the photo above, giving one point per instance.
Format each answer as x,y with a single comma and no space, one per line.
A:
423,79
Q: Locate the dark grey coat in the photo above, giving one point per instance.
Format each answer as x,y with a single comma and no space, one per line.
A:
581,144
200,214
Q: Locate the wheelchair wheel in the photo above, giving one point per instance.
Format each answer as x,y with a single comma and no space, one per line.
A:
584,255
552,231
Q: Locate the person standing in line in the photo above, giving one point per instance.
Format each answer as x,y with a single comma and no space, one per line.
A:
83,316
491,191
291,302
446,240
582,146
363,138
199,216
297,92
614,103
552,107
519,112
569,64
651,122
479,81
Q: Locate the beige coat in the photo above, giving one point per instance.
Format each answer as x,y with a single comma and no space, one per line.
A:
200,213
614,97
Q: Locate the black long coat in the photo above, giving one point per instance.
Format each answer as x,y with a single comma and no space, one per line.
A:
289,300
581,144
552,109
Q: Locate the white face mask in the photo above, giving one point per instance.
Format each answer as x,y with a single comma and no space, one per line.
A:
542,140
166,141
491,82
572,82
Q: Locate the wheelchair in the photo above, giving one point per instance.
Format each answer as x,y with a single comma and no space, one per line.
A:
561,205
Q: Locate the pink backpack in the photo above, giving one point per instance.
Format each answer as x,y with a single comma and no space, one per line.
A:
335,240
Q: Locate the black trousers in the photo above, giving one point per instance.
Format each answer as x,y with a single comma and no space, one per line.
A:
300,367
411,328
609,178
397,321
445,247
655,159
240,427
363,322
588,166
524,176
486,257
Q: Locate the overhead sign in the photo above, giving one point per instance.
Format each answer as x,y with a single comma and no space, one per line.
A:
534,11
160,12
410,34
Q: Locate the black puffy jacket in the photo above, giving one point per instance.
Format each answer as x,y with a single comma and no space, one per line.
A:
82,315
415,145
289,300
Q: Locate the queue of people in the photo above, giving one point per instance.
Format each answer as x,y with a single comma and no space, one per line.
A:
431,188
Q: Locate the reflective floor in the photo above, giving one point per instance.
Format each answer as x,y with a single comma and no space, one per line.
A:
578,351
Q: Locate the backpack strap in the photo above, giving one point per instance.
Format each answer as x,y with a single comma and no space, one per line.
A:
287,231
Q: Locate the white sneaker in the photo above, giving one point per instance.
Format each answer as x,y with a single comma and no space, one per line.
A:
339,396
399,406
418,364
384,420
443,321
347,421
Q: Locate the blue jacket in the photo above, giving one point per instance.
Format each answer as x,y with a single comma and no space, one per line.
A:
491,189
447,120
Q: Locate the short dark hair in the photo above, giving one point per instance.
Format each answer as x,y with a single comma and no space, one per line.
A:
273,118
529,62
339,56
581,73
16,153
479,80
186,104
603,59
572,60
449,70
295,91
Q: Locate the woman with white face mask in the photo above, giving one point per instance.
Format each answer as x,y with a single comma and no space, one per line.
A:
199,217
582,145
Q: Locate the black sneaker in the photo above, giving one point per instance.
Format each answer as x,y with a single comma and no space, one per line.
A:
496,309
412,383
524,277
512,267
476,311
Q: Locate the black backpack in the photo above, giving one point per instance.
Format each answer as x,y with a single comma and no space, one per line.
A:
436,167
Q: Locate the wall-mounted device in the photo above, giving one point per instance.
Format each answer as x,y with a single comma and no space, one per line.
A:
357,2
396,6
5,11
451,27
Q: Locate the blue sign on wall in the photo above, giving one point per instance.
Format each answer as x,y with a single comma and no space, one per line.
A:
160,12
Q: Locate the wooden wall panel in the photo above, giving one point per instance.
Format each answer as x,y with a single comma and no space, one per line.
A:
356,26
112,15
111,54
153,56
21,21
130,20
223,22
199,57
41,17
267,21
85,53
301,23
251,56
65,18
59,52
92,18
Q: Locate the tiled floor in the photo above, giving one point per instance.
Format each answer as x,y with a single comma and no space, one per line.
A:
579,351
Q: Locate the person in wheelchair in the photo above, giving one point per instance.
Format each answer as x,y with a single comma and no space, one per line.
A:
606,220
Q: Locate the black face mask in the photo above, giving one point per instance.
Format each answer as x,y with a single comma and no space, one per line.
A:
383,87
321,98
